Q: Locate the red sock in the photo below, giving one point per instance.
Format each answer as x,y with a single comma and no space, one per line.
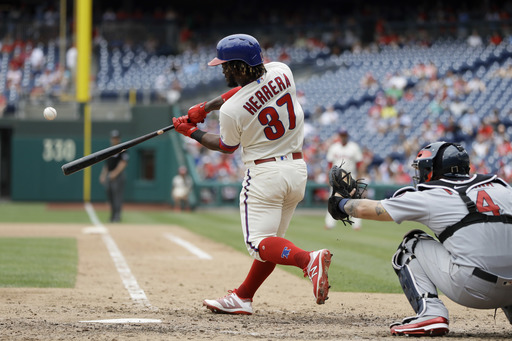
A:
282,251
255,278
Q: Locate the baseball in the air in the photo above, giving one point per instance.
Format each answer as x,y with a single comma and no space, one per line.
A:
50,113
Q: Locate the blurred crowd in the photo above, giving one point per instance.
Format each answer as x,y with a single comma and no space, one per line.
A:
178,29
488,140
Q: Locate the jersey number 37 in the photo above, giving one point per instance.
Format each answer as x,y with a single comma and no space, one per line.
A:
269,117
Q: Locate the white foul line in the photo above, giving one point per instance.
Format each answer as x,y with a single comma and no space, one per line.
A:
127,320
129,281
190,247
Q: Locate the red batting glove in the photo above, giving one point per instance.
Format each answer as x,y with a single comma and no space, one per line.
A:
183,126
197,113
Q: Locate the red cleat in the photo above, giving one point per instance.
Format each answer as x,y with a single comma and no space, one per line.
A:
421,326
317,273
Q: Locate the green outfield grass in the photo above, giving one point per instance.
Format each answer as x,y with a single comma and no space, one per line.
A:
28,212
362,259
361,262
38,262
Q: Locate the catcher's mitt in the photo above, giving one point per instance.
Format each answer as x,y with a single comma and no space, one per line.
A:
343,186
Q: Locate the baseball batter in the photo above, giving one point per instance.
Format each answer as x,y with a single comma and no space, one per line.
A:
263,117
472,218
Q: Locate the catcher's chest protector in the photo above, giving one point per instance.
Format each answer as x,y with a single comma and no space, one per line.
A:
473,217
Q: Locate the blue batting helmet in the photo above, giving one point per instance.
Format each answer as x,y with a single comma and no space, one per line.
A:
238,47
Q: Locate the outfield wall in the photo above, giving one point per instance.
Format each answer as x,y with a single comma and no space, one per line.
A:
39,148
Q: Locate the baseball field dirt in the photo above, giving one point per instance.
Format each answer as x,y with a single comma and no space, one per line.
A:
151,288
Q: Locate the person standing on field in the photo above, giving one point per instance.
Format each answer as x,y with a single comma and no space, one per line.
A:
181,188
264,118
112,176
471,216
348,154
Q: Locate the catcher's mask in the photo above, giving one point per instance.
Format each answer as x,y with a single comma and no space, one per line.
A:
441,159
238,47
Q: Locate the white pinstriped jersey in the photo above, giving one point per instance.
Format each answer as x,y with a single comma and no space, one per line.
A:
264,117
484,245
350,154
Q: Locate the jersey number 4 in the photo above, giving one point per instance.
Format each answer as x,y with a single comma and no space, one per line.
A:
484,203
269,117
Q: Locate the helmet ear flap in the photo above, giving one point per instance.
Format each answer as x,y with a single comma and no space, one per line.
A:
428,176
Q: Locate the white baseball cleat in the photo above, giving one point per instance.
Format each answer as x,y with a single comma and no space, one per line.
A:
421,326
317,272
230,304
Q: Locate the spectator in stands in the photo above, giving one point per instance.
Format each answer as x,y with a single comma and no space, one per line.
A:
495,38
494,119
429,131
454,85
395,85
480,147
475,84
436,107
430,70
458,107
401,177
71,57
505,171
388,115
486,128
366,163
207,167
13,77
173,94
369,82
37,58
505,148
452,130
475,40
51,16
109,15
402,122
469,123
480,166
502,141
386,170
329,117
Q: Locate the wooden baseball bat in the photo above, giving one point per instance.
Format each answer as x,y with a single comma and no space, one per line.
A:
91,159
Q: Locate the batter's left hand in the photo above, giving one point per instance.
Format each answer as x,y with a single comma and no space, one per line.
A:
183,126
197,113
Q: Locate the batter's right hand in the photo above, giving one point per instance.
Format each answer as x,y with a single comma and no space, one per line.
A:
197,113
183,126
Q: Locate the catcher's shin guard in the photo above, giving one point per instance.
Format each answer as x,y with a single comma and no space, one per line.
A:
401,262
508,312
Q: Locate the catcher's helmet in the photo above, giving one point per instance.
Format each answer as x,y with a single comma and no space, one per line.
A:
441,159
238,47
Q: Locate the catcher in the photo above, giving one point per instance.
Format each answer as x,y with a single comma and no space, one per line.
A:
471,216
